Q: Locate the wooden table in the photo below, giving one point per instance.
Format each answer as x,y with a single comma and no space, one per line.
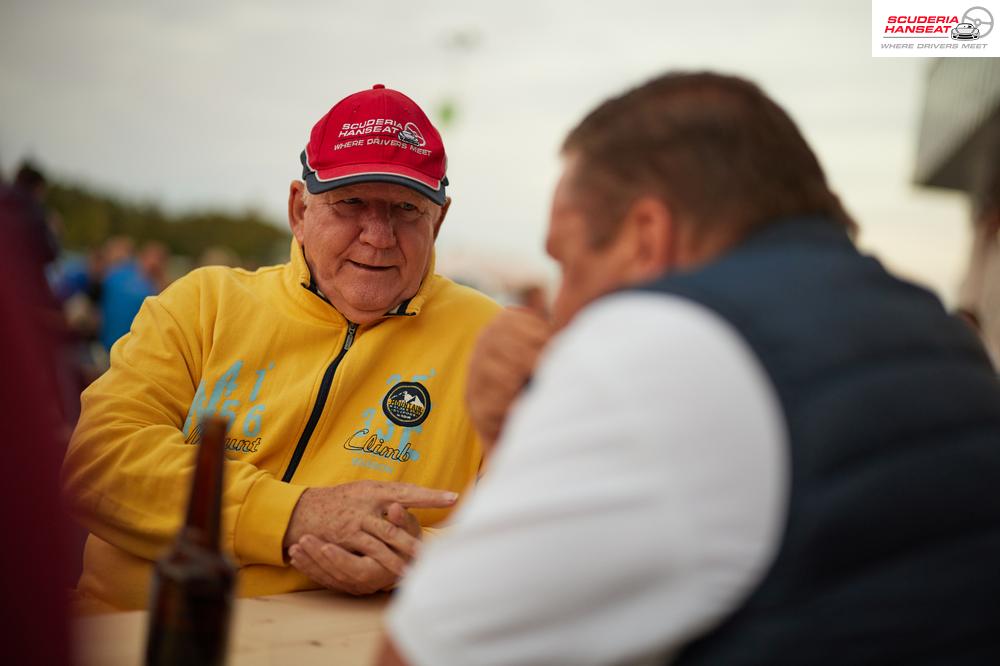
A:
300,628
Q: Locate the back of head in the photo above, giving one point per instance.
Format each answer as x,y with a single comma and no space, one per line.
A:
29,179
723,156
152,258
117,250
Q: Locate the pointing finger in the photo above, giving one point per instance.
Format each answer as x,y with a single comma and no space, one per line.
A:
410,495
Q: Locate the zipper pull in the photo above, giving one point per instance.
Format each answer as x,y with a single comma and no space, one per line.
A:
349,340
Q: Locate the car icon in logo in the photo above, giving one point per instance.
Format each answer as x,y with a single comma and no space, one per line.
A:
409,137
411,134
965,31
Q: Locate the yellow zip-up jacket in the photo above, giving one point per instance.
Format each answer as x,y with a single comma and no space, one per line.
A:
312,401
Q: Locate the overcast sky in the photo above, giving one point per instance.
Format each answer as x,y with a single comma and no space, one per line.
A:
196,104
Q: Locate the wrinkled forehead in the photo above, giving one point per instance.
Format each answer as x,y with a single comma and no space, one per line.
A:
376,192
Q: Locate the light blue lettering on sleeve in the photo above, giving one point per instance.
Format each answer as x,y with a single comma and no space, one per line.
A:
224,387
251,426
197,409
260,380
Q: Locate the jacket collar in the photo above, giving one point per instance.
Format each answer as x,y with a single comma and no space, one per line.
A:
303,289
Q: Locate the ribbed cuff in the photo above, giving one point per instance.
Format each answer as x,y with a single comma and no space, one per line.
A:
262,521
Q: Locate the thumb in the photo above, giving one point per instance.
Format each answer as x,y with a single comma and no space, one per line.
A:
400,517
397,514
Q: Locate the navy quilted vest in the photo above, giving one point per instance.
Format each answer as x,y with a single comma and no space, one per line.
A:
891,549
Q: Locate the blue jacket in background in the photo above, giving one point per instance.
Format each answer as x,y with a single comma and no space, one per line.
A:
125,288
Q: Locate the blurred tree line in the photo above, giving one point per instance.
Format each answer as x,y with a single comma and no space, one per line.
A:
89,218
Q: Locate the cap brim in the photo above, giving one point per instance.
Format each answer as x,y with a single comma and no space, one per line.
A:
323,181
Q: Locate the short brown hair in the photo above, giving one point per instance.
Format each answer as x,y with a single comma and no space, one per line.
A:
715,148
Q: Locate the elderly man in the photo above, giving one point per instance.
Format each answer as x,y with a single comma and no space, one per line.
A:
749,444
341,373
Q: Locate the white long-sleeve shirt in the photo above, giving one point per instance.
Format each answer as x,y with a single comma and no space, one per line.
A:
637,496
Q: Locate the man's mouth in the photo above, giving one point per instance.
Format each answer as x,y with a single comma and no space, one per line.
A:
369,267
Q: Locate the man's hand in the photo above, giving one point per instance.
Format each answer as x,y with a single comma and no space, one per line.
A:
339,570
335,568
502,362
367,518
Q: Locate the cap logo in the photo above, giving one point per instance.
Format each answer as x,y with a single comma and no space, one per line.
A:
411,135
370,126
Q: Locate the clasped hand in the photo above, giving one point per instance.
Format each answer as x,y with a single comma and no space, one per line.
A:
359,537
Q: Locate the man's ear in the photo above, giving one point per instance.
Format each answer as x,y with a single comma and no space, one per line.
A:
649,234
296,208
440,220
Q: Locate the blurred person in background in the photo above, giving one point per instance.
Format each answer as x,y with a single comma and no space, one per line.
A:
342,375
127,283
24,214
30,227
118,254
153,260
117,250
219,255
81,275
33,573
78,288
747,444
22,205
979,298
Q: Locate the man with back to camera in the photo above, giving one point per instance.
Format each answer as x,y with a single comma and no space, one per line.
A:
748,444
341,374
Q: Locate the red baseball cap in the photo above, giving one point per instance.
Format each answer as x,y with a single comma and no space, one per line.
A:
378,135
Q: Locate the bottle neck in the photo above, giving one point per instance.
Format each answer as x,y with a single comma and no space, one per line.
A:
202,525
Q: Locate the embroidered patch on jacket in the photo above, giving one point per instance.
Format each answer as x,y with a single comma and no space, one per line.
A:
407,404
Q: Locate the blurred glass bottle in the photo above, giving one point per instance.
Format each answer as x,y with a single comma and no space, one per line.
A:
192,591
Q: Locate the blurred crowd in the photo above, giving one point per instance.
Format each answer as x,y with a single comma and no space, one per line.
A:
102,291
86,299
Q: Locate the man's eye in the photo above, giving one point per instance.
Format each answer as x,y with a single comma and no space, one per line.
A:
407,206
353,201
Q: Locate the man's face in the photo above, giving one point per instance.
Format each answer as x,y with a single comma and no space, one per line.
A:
587,272
367,245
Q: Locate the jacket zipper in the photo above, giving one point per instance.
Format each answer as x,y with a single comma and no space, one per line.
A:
317,410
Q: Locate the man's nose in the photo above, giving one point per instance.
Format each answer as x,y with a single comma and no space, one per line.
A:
376,228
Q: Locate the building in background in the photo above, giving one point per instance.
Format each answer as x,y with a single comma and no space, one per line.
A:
961,112
959,148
